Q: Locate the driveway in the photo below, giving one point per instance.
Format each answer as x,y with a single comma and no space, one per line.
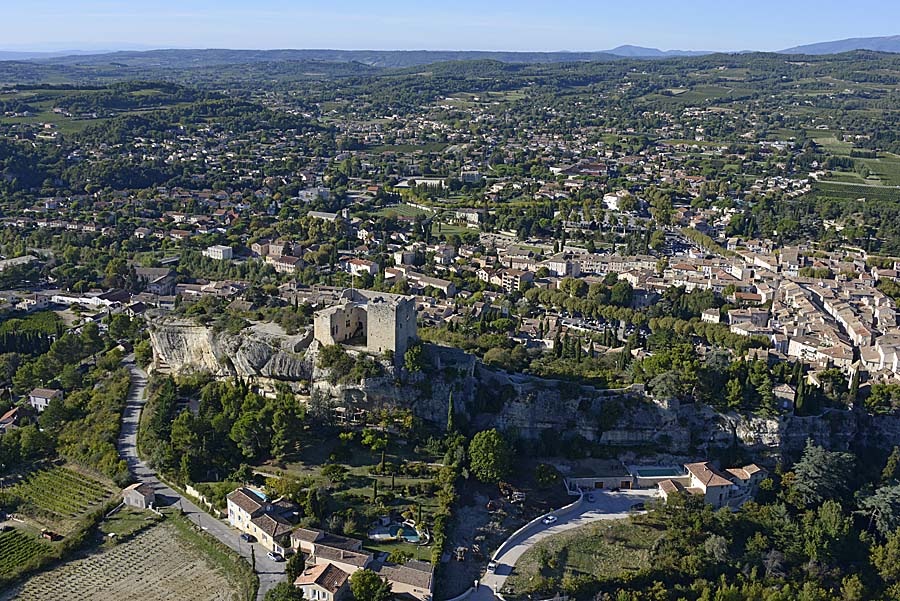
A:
270,572
606,506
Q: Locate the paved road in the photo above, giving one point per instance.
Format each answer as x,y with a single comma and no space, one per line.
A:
607,506
270,573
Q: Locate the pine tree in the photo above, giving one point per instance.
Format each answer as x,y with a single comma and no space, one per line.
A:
891,468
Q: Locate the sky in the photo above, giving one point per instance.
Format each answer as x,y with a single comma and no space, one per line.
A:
548,25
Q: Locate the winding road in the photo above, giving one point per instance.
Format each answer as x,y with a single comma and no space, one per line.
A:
606,506
270,573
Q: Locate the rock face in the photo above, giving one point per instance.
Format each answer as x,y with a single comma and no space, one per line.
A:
257,352
527,406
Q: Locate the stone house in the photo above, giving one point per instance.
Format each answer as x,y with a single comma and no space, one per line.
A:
323,582
269,521
140,495
39,398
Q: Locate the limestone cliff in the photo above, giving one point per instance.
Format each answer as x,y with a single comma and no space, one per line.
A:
259,351
527,406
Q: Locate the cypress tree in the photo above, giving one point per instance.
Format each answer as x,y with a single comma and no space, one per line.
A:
854,388
451,426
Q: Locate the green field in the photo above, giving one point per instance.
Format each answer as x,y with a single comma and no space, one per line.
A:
17,549
60,493
604,549
830,143
853,192
448,229
45,100
886,168
699,94
403,210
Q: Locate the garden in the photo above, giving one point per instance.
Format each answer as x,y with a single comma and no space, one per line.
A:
375,487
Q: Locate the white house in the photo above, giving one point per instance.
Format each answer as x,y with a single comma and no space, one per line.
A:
218,252
39,398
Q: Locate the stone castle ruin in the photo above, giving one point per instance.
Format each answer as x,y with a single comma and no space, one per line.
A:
375,321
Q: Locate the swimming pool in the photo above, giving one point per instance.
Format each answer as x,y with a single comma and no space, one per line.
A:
393,532
658,472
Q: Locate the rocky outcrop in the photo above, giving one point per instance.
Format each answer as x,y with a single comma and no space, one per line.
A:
527,406
259,351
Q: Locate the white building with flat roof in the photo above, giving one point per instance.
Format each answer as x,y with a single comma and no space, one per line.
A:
218,252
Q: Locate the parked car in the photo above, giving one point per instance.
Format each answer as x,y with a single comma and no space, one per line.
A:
492,566
248,538
591,498
274,556
549,519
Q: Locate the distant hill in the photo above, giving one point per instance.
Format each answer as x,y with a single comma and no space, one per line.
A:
373,58
882,44
12,55
642,52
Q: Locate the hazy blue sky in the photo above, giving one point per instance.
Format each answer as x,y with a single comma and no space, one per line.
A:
427,24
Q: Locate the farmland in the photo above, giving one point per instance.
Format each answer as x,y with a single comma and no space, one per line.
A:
160,563
849,191
60,495
18,549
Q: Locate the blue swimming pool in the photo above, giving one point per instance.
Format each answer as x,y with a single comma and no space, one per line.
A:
658,472
394,532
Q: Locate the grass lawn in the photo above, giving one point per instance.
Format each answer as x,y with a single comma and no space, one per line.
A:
448,229
127,521
604,549
403,210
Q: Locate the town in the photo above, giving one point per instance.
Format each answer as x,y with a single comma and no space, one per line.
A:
455,329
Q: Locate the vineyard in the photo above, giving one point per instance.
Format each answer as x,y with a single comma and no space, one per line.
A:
156,565
17,549
62,492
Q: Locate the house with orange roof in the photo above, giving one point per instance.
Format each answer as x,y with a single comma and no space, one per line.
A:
719,488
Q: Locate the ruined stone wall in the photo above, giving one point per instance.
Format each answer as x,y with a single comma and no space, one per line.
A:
340,323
